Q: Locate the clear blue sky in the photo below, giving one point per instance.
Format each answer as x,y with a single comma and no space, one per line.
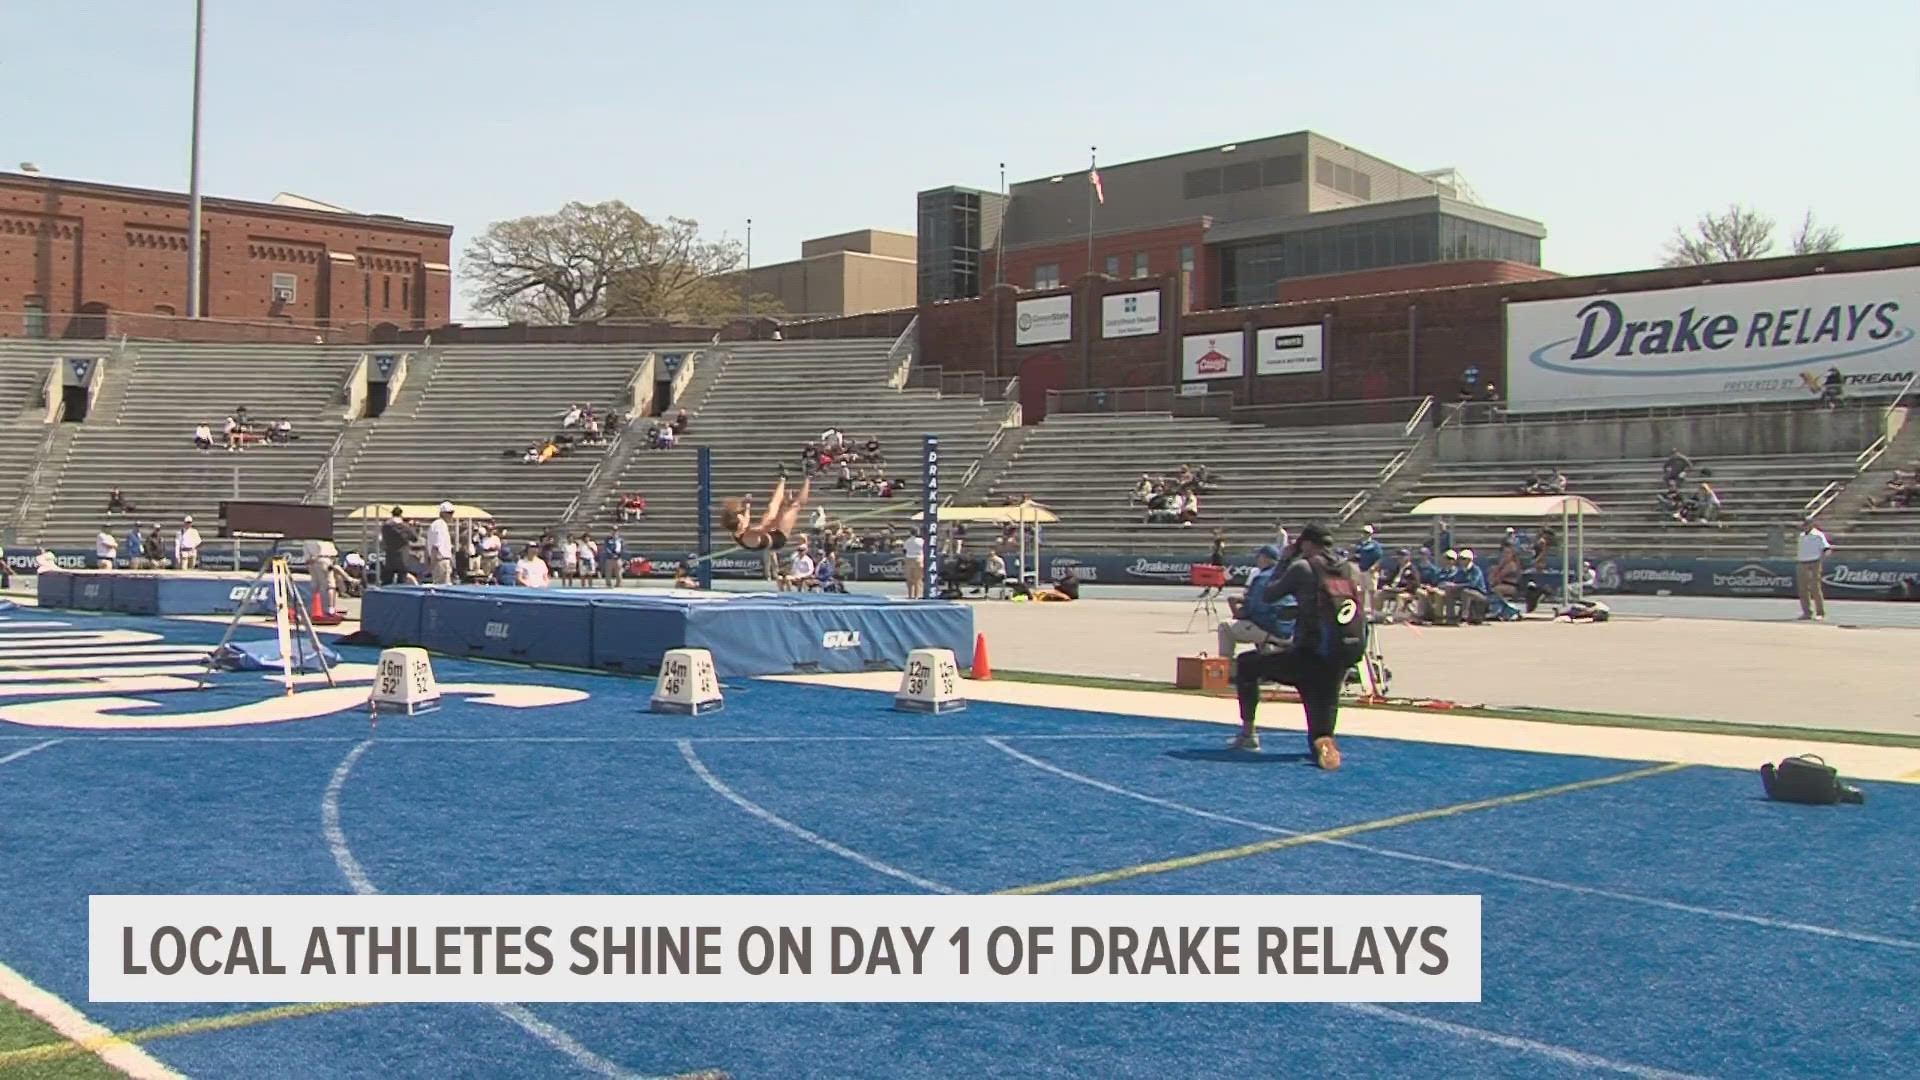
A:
1611,123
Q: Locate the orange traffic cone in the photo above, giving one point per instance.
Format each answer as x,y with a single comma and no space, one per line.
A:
321,617
982,668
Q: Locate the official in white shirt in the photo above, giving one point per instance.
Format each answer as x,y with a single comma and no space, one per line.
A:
800,571
1814,546
186,545
913,560
105,548
531,570
320,557
440,546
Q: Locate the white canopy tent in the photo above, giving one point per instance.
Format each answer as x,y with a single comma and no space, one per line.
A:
1027,514
1572,510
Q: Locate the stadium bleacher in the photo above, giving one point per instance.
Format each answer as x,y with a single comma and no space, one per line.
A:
1758,495
457,427
1084,467
478,409
143,444
771,399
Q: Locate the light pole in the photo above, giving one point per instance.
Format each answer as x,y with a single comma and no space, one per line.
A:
193,173
746,280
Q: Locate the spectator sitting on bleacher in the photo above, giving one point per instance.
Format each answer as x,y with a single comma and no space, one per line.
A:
282,431
1190,512
1702,507
202,437
117,503
571,418
1143,491
633,507
233,435
1902,491
1553,484
1676,466
680,422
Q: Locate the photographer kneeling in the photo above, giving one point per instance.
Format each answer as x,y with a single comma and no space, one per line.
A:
1330,636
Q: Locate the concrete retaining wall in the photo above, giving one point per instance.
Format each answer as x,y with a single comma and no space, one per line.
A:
1801,431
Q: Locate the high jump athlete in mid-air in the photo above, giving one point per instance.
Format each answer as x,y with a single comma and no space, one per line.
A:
779,522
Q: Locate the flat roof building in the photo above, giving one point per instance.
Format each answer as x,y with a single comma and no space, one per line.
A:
845,274
1233,221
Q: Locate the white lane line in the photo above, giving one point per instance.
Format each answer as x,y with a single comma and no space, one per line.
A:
1539,1049
68,1021
363,885
706,775
18,754
1450,864
1565,1055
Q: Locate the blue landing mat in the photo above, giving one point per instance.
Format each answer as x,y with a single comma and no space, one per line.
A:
748,634
153,592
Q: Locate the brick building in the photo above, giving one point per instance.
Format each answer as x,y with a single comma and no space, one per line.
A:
1388,337
87,260
1232,224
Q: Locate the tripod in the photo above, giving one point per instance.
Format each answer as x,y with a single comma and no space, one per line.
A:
290,619
1205,604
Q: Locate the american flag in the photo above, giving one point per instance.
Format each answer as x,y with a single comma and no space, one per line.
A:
1098,191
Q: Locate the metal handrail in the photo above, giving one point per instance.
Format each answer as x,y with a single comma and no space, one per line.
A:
1352,505
32,482
1871,454
1007,422
326,465
1822,500
900,356
593,477
1419,414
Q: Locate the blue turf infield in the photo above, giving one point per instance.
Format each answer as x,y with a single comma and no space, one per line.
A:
1638,921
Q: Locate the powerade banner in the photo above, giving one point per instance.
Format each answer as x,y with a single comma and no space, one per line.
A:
1844,580
1751,341
21,561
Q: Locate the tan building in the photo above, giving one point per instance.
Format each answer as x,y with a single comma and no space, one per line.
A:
848,274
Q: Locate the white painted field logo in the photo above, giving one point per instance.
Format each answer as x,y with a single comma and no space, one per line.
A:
497,631
840,639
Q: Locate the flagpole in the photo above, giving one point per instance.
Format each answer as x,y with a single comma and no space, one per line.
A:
1000,240
1093,166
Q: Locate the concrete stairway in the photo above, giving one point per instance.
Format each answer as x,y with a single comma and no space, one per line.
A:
769,401
145,446
478,403
1085,468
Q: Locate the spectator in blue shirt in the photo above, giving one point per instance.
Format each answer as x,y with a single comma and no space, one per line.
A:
1257,621
136,548
1467,591
613,559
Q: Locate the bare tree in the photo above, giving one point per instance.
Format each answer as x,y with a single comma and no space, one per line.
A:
683,278
556,268
1739,234
1813,238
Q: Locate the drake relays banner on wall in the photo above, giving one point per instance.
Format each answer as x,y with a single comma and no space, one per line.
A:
1749,341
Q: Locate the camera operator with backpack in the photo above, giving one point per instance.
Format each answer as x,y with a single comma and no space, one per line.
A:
1329,637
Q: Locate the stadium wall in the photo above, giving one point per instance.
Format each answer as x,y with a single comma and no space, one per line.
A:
1383,345
1795,431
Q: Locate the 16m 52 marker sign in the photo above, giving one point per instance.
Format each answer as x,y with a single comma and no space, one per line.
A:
1752,341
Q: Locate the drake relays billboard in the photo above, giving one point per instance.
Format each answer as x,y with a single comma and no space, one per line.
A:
1750,341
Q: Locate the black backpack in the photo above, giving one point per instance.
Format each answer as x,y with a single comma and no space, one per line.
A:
1807,779
1343,628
